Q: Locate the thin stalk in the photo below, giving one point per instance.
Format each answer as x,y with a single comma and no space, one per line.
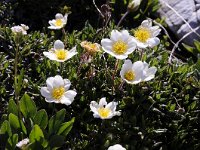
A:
15,80
122,18
64,36
113,76
141,51
121,85
15,74
84,57
61,68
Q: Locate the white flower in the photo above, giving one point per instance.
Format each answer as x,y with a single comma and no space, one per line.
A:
132,73
58,53
59,21
137,72
145,35
120,44
116,147
57,91
104,110
20,29
22,143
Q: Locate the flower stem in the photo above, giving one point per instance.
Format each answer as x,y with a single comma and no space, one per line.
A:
113,76
15,74
16,88
65,36
121,85
122,18
61,68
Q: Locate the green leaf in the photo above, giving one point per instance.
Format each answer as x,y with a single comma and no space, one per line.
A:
197,66
12,141
16,123
197,45
12,107
189,48
66,127
27,106
172,107
56,141
193,105
5,128
56,120
41,118
36,134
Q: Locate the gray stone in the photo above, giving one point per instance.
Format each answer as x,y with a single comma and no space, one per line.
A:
189,10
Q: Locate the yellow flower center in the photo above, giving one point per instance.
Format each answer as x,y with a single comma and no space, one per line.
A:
129,75
119,47
61,54
104,112
142,34
58,92
58,22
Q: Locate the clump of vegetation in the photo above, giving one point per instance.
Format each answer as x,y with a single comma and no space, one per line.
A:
102,84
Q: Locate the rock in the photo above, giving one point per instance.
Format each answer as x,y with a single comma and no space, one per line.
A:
189,10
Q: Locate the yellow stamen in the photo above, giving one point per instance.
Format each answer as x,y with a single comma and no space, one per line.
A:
129,75
142,34
58,92
119,47
61,54
58,22
104,112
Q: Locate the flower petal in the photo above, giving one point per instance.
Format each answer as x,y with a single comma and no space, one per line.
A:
140,44
155,31
94,106
52,22
102,102
115,35
65,17
58,81
112,106
65,100
117,113
49,83
150,74
72,52
106,44
67,84
58,16
116,147
153,42
146,23
121,56
50,55
70,94
96,115
125,35
58,44
54,27
45,92
50,100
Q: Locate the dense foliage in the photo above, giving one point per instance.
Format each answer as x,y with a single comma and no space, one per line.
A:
159,114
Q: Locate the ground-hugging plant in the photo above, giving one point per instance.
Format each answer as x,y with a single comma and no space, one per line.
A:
139,101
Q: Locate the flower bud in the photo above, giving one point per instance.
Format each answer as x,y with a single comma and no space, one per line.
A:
134,5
